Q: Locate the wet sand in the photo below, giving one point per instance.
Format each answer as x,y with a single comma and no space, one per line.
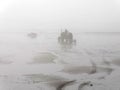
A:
44,57
34,66
116,62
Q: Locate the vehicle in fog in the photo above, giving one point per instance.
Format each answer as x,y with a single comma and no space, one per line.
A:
66,38
32,35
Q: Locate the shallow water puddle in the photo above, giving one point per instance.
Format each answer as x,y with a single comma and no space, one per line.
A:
43,57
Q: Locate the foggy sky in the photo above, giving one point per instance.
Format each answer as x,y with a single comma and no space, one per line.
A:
54,15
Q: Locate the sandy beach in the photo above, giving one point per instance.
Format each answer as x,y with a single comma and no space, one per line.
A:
42,64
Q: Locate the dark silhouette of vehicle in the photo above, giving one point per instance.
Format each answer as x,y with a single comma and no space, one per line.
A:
32,35
66,38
